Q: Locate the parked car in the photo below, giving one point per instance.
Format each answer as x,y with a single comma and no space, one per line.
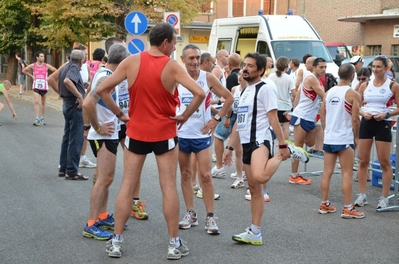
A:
368,60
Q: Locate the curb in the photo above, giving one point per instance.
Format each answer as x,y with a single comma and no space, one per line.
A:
29,98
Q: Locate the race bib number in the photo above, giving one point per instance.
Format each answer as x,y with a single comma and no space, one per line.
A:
242,118
185,101
40,84
235,105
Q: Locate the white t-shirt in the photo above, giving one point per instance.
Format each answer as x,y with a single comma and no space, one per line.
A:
285,85
254,126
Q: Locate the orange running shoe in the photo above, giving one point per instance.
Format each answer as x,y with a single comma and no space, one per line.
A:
299,180
138,211
351,213
325,208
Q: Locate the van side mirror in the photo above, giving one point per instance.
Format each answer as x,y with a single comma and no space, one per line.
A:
338,59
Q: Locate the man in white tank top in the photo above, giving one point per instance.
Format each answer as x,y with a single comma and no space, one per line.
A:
104,140
304,115
194,137
340,121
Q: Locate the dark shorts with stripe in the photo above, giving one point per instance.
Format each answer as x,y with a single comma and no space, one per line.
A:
248,148
110,144
144,148
122,132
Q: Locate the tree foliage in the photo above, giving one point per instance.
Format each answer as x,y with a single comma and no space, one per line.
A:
15,20
63,22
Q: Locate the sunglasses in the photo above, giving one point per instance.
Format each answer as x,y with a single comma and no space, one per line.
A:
362,79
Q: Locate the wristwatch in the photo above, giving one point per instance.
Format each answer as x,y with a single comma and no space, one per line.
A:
217,117
86,127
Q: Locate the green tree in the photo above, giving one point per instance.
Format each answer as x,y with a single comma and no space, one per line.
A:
63,22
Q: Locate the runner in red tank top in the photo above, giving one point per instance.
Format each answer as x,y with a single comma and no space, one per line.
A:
152,78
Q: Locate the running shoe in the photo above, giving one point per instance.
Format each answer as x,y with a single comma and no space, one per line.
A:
199,195
177,252
299,180
108,223
248,197
238,183
42,121
196,188
86,163
96,232
297,153
233,175
361,200
138,210
211,226
189,220
249,238
351,213
37,122
218,173
382,202
114,249
325,208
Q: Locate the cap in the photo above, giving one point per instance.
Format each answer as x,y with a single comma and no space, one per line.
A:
356,59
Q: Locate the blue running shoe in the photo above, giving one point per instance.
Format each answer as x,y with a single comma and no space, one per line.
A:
96,232
108,223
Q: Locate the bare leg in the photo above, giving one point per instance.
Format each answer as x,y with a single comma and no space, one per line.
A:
36,98
219,148
44,97
185,172
204,158
364,160
346,159
328,170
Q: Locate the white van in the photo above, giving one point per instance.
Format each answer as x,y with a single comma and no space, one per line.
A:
274,35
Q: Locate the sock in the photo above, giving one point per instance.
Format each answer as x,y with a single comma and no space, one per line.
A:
103,216
117,238
294,174
348,206
83,157
325,202
255,229
91,222
175,241
265,191
136,200
209,215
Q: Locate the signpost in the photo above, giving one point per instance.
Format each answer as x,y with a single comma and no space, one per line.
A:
173,18
136,23
136,44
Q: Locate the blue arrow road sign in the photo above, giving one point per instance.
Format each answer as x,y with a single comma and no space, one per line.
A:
136,23
136,46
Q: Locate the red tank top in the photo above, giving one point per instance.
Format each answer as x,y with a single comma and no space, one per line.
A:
151,105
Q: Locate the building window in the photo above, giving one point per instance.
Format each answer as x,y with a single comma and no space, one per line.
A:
374,50
206,8
395,50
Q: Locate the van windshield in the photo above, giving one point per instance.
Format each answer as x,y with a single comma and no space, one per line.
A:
298,48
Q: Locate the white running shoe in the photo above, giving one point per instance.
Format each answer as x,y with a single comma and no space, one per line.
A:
361,200
249,238
233,175
238,183
189,220
87,164
211,226
177,252
383,202
218,173
199,195
114,249
297,153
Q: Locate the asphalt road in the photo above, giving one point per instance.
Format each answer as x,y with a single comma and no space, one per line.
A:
42,215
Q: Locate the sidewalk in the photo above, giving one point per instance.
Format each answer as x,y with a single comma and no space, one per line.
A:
53,100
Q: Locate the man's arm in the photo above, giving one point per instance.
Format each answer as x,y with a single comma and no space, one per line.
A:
51,68
53,78
314,84
354,99
70,85
9,103
299,79
284,153
323,113
28,70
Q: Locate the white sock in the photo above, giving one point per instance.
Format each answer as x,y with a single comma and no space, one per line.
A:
255,229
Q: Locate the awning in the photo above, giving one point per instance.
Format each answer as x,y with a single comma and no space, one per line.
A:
365,18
